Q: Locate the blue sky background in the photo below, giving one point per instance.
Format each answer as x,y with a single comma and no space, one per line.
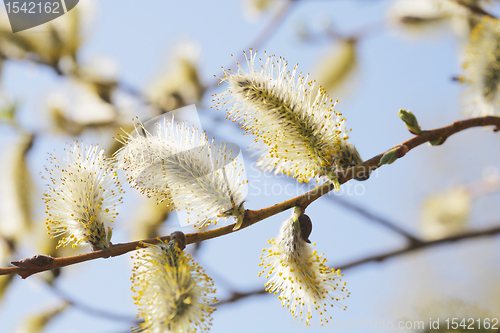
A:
395,71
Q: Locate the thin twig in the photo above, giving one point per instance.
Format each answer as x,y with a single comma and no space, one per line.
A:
91,310
373,217
236,296
40,263
272,26
379,258
264,34
392,254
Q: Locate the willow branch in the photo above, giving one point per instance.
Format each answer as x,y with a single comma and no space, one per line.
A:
40,263
236,296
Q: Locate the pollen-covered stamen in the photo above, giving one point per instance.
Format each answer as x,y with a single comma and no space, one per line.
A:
298,275
297,133
81,197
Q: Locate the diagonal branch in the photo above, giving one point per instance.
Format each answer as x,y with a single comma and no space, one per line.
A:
374,217
236,296
392,254
40,263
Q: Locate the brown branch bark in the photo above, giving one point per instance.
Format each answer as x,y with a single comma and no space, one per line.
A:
36,264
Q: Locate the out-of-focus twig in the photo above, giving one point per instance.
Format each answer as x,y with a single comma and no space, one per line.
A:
236,296
373,217
91,310
414,247
272,26
264,34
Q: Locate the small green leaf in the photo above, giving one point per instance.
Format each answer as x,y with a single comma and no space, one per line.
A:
108,236
410,121
389,157
336,183
239,222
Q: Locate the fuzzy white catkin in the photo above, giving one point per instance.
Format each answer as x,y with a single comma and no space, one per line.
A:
172,291
296,134
481,76
81,197
186,170
299,275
